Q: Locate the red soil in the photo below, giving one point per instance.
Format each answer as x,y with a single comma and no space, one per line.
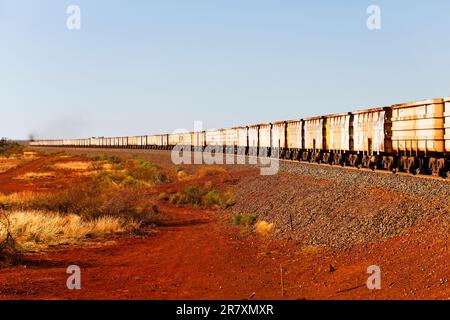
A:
10,184
199,255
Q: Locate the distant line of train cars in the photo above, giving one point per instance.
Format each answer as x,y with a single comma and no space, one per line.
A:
410,137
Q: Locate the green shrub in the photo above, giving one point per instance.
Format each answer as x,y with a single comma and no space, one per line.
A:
9,148
145,171
101,196
243,219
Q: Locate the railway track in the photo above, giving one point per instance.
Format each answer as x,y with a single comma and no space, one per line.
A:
255,160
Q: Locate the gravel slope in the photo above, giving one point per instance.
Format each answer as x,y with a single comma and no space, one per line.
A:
339,208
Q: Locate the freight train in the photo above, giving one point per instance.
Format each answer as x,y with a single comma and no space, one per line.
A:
409,137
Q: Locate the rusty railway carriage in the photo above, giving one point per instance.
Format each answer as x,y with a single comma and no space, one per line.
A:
199,141
338,139
294,139
264,139
314,139
410,137
229,140
214,141
372,144
253,140
242,140
279,142
418,133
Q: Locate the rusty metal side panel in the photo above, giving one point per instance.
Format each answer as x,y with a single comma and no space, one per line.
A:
229,137
418,127
264,136
338,132
253,136
294,134
447,124
279,135
133,141
180,139
185,139
152,140
372,131
242,133
164,140
214,138
174,139
199,139
313,133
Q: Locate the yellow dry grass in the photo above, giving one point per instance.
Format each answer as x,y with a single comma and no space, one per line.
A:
17,199
264,228
36,176
73,165
208,171
29,155
35,230
8,164
310,250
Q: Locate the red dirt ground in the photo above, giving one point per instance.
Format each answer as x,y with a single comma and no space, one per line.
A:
199,255
8,183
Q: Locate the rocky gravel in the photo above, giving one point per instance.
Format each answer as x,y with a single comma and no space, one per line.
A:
333,207
417,186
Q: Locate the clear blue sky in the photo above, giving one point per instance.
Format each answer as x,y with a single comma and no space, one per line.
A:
142,67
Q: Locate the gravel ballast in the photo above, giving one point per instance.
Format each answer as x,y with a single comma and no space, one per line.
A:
339,207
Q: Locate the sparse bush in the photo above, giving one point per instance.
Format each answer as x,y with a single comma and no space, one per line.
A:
10,253
105,195
243,219
130,181
194,195
146,171
200,197
9,148
208,171
164,196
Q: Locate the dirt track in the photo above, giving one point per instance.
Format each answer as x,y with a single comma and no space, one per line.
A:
199,255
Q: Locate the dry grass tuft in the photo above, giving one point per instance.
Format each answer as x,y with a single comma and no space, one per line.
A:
36,176
310,250
209,171
35,230
73,165
264,228
18,200
8,164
